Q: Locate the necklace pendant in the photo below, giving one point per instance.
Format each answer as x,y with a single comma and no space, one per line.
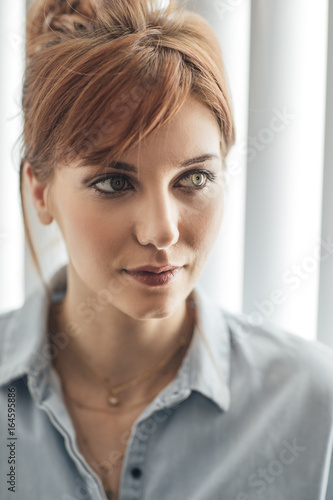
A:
112,400
105,470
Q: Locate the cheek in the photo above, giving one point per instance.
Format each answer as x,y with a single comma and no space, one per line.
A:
202,221
90,228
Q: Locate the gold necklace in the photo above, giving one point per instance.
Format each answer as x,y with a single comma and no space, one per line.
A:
112,399
83,406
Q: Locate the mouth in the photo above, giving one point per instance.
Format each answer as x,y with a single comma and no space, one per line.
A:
160,278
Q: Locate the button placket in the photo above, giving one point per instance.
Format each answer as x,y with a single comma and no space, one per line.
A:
133,473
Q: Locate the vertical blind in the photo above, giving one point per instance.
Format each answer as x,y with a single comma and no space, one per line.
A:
273,260
12,21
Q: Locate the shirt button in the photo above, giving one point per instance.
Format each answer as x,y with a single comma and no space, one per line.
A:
136,472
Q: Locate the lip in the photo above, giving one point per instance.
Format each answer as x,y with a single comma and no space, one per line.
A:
152,269
155,279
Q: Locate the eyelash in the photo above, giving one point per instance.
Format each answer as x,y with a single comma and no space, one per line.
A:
210,178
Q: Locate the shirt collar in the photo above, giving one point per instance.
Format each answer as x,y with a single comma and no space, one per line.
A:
205,368
209,352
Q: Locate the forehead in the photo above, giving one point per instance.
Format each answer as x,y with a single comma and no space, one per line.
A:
192,131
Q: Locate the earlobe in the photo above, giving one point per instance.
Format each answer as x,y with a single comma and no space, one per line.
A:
38,192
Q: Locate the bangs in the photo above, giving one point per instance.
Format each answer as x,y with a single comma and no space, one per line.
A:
103,124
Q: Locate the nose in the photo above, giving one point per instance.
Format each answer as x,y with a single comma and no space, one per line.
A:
157,221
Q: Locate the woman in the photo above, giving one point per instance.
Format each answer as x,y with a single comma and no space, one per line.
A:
123,380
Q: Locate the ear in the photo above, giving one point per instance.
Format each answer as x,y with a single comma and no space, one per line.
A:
39,194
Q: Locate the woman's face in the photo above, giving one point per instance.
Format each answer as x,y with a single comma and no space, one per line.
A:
162,205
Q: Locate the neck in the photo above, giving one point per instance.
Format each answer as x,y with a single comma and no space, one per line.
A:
118,348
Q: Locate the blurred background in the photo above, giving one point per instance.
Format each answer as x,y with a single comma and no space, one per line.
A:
273,260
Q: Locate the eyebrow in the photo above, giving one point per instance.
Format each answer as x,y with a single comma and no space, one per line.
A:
121,165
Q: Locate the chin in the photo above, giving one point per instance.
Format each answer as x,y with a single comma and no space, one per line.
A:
148,308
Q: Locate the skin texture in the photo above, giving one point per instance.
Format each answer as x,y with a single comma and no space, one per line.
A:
155,221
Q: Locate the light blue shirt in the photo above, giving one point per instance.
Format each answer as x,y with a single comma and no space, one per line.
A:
261,427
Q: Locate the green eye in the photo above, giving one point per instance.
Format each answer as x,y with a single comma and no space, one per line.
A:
198,179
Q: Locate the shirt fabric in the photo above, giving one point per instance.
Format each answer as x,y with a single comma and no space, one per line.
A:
250,416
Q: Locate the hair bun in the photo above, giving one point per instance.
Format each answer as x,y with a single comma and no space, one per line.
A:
47,19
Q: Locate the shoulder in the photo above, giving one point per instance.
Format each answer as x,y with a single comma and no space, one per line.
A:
281,355
276,342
